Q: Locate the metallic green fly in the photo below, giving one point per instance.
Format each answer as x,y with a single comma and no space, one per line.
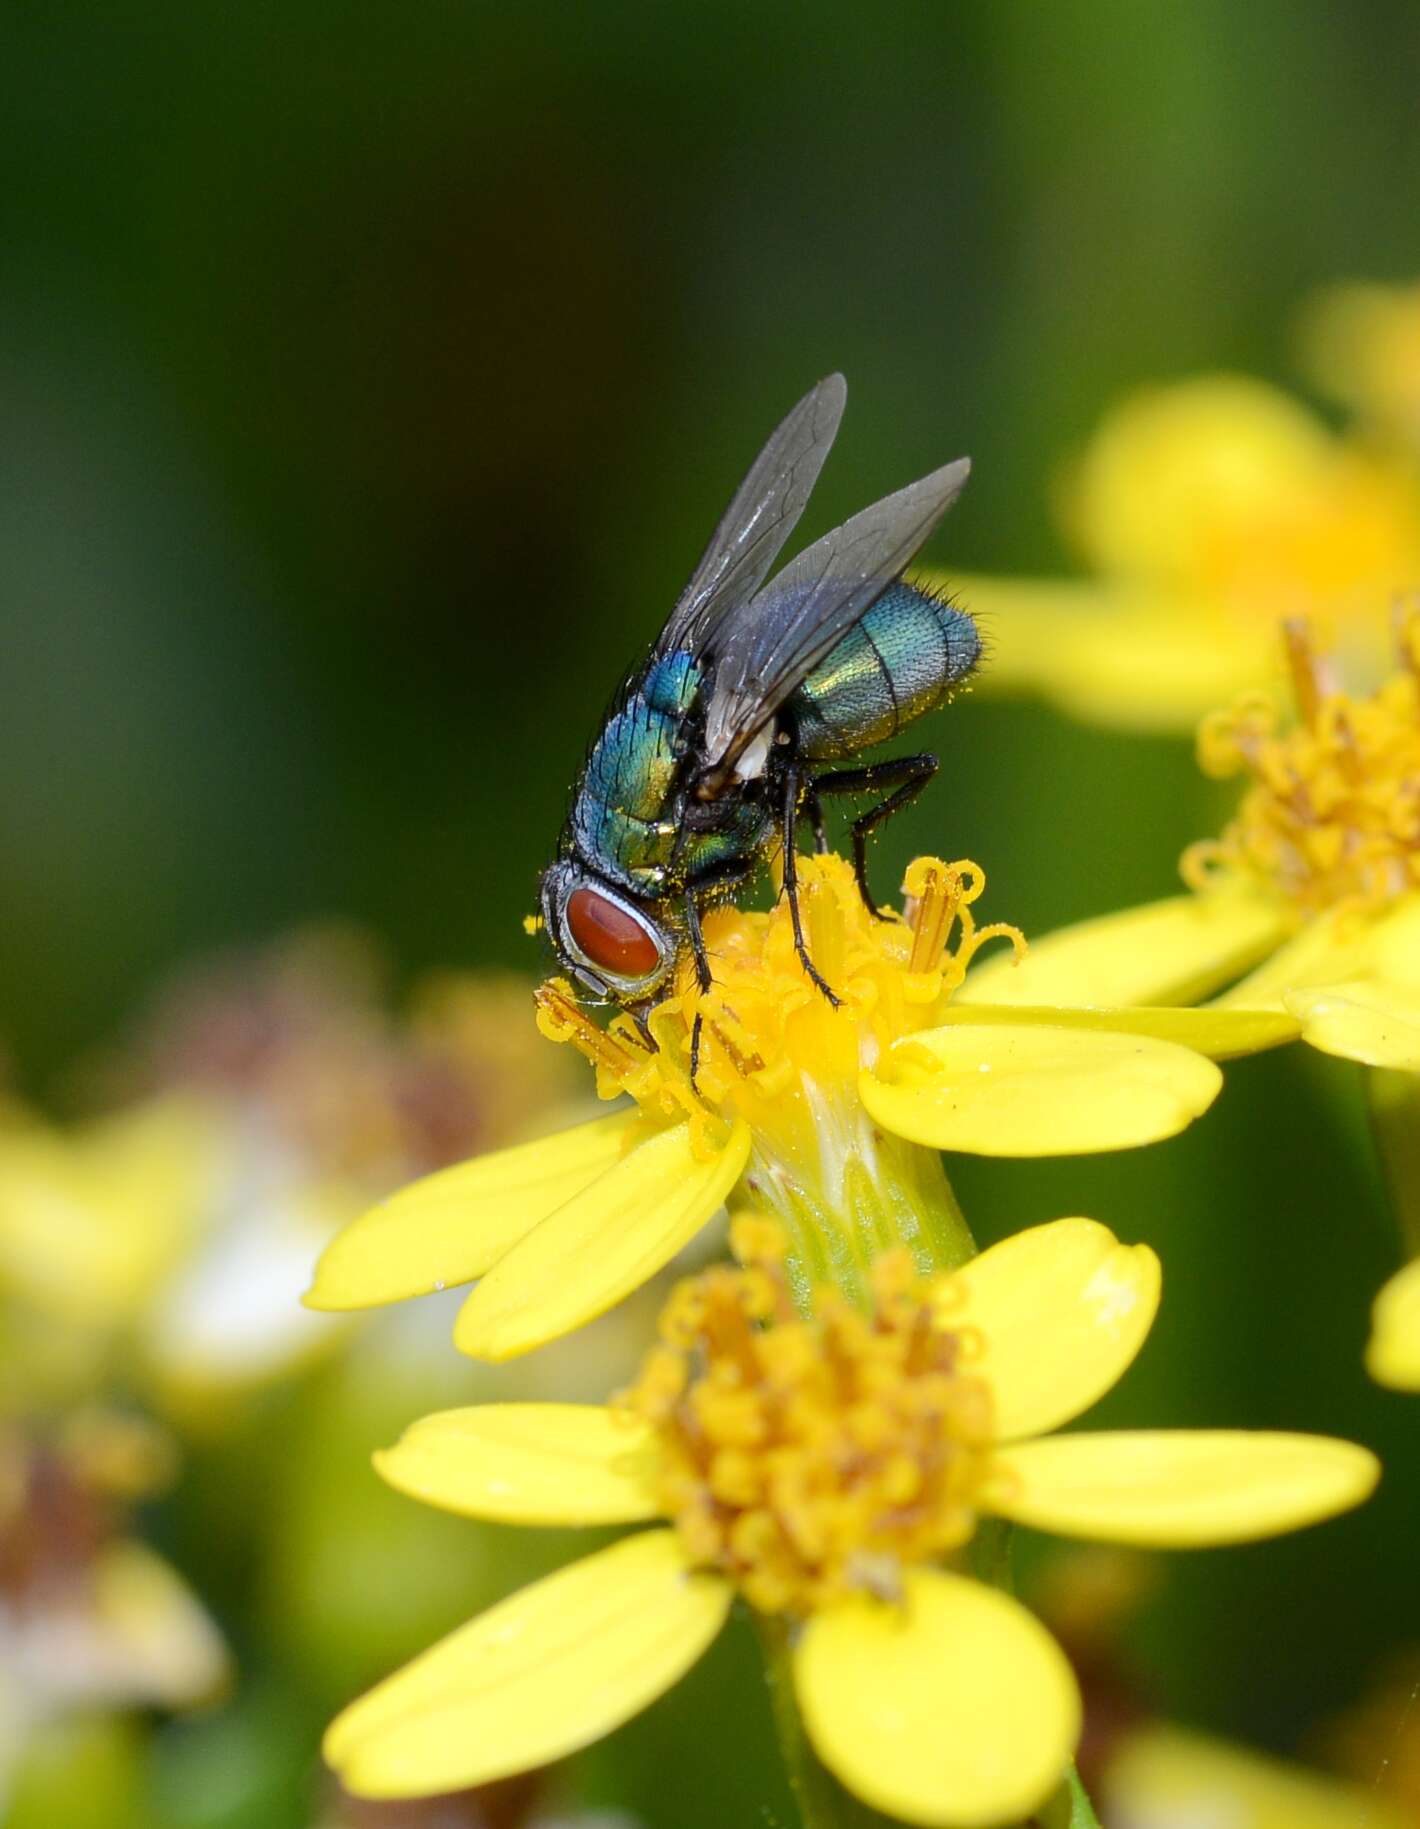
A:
717,746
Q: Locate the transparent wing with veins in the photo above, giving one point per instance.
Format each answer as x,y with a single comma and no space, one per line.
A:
765,648
763,513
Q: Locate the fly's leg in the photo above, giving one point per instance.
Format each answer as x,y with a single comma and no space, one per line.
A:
906,777
640,1014
725,873
791,880
813,812
703,977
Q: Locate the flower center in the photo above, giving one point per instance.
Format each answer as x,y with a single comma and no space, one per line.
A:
1332,815
775,1053
809,1459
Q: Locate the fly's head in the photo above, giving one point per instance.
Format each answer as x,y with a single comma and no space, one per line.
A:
611,943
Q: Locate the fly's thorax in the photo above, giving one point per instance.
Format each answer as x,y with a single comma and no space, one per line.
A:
900,661
623,811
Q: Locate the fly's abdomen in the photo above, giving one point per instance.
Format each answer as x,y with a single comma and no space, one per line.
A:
902,659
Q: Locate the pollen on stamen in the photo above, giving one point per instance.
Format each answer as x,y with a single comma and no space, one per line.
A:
1331,819
808,1459
561,1019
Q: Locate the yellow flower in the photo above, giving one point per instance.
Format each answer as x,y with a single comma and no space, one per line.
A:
1393,1351
168,1242
90,1618
1314,884
825,1468
1207,511
1168,1775
1362,345
1309,900
829,1118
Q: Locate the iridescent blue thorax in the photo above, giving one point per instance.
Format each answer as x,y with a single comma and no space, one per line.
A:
626,815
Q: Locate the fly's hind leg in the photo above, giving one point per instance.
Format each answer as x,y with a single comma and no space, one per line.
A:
905,778
791,876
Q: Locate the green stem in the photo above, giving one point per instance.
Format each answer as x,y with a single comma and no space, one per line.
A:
823,1803
1070,1808
1394,1099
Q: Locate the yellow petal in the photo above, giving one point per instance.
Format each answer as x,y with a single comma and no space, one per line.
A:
1395,943
529,1463
143,1633
1180,1489
956,1707
545,1672
1160,953
94,1220
1061,1310
1133,658
601,1245
1172,1777
1366,1020
1326,951
450,1227
1220,1034
1393,1352
1037,1089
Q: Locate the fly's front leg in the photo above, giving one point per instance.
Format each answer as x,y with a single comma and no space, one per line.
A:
906,777
723,874
791,880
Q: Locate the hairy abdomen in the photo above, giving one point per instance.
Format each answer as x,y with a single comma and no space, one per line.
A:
903,659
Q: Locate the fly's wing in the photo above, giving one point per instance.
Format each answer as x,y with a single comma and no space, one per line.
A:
770,645
764,512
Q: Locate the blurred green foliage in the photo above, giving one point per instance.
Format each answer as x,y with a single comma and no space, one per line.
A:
370,379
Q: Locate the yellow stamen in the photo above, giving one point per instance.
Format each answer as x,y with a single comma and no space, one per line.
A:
808,1459
1332,818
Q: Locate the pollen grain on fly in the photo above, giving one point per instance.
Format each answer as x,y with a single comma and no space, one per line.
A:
808,1459
1331,818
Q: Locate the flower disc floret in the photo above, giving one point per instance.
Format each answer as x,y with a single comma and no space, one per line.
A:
807,1459
774,1051
1331,819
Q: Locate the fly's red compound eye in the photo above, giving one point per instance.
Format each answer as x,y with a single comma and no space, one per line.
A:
610,937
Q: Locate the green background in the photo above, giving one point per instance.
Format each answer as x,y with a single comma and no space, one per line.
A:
369,379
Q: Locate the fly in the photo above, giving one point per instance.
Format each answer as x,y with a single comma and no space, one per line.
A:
727,736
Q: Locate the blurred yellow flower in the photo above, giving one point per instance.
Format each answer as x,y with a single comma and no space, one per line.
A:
830,1118
1393,1350
824,1468
1166,1777
90,1618
264,1104
1315,883
1361,344
1207,511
